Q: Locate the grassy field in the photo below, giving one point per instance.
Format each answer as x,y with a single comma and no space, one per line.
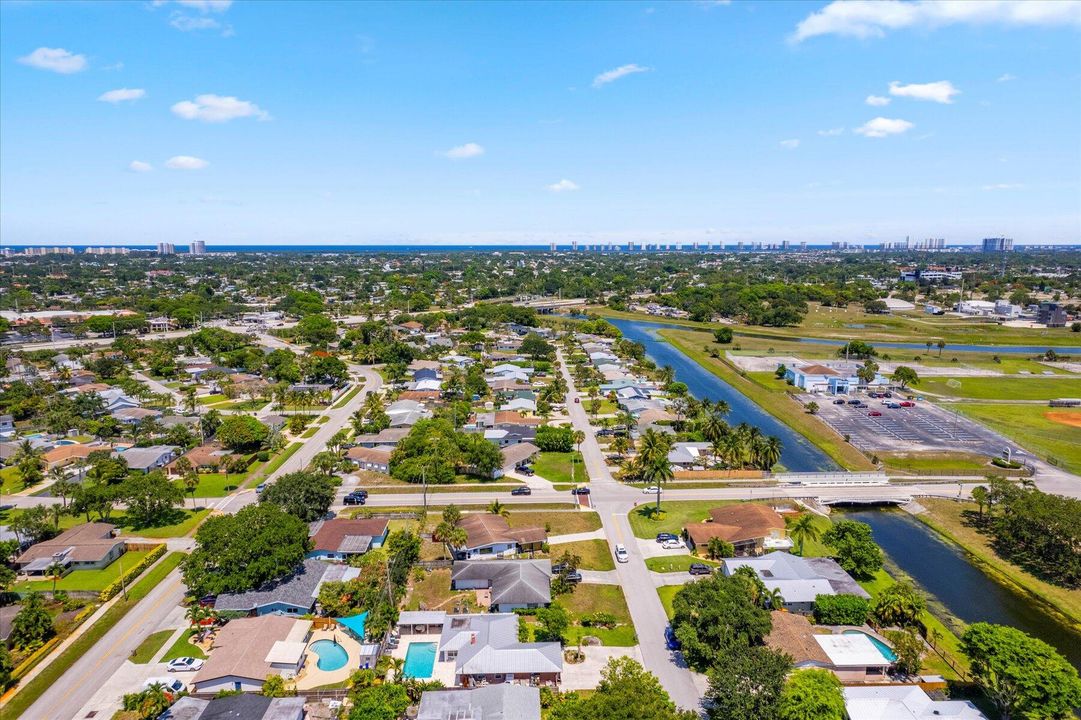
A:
676,563
950,519
555,467
935,463
993,388
187,519
88,580
220,484
277,461
211,399
667,593
1030,427
184,648
595,554
10,480
678,514
589,599
558,523
28,694
780,405
149,647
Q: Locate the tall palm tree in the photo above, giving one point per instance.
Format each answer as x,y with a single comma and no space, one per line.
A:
55,571
769,452
774,599
802,529
498,508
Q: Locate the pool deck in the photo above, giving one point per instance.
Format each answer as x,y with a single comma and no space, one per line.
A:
311,676
443,671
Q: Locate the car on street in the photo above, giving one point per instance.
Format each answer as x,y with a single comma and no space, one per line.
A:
521,491
663,537
576,401
670,640
874,413
651,490
184,664
621,554
580,491
699,569
676,544
838,401
356,498
260,488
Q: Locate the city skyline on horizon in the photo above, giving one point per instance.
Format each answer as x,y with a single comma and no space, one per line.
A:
250,124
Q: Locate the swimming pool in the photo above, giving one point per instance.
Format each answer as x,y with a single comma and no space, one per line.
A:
332,656
879,645
419,660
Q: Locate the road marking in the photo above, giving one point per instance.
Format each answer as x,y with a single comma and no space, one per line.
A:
617,527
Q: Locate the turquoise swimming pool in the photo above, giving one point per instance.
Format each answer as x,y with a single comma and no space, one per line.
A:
419,660
881,646
332,656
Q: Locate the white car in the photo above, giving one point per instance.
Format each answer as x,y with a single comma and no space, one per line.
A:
621,554
673,545
651,490
185,664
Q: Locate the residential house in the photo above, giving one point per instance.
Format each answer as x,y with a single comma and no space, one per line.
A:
485,651
406,413
206,458
7,425
376,459
238,707
64,455
90,546
904,702
799,580
690,454
514,584
294,594
146,459
522,404
489,536
852,656
389,436
249,650
751,528
518,454
490,702
135,415
343,538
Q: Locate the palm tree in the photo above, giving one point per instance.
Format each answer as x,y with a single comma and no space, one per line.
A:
941,344
55,571
666,375
498,508
769,451
802,529
620,444
325,462
774,599
579,438
449,534
979,494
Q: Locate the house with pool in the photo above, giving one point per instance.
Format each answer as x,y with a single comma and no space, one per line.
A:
247,651
904,702
854,655
799,580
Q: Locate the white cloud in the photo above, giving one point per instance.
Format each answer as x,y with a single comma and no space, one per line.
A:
790,144
1003,186
1006,77
563,185
187,23
874,18
57,60
832,132
122,95
462,152
877,100
883,127
205,6
218,108
622,71
185,162
939,92
140,167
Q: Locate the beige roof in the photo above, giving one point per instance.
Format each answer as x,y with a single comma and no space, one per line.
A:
89,542
737,523
243,646
817,370
488,529
374,455
794,635
514,454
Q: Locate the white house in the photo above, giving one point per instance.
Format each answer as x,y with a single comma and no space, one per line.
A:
249,650
904,702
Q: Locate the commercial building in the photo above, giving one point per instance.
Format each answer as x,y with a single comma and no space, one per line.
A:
1051,315
165,248
999,244
197,247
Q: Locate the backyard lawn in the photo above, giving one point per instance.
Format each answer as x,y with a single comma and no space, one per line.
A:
595,554
221,484
433,592
149,647
589,599
1048,432
993,388
555,467
183,647
87,580
556,523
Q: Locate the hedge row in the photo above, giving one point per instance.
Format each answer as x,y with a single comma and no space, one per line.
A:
113,588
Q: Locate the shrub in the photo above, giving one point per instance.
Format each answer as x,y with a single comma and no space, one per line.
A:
841,610
130,574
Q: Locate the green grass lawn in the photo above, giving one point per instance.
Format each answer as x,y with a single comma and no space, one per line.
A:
29,693
347,397
936,463
1029,426
677,515
186,519
998,388
183,648
211,399
220,484
558,523
149,647
676,563
589,599
278,460
667,594
310,432
87,580
10,480
595,554
555,467
247,405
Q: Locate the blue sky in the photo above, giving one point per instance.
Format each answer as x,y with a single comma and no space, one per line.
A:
313,123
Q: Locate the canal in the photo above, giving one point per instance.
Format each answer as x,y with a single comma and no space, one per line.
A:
942,569
798,453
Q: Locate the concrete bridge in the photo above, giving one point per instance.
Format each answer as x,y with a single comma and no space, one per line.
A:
550,305
886,497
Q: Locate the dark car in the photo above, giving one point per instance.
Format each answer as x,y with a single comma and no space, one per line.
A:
670,639
525,470
838,402
699,569
893,405
521,491
580,491
573,577
355,498
853,401
874,395
887,394
663,537
561,566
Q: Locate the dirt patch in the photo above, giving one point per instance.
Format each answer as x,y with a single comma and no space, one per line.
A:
1073,419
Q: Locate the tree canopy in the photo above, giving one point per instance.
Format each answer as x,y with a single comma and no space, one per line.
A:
305,495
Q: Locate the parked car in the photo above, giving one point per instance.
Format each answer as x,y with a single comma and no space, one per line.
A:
887,394
561,566
699,569
670,640
574,577
839,401
184,664
621,554
874,395
580,491
908,403
651,490
525,470
664,537
521,491
862,405
355,499
260,488
576,401
893,405
874,413
676,544
853,401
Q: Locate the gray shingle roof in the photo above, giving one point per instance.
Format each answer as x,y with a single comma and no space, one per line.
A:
506,701
513,582
299,589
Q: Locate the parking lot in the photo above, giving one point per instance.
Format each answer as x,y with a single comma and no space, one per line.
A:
906,428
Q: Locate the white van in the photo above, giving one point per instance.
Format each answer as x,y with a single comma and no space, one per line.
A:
621,554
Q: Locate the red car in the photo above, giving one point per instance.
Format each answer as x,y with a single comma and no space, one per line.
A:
908,403
874,413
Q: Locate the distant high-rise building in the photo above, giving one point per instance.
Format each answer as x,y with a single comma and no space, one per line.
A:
198,247
165,248
107,251
785,245
630,246
803,246
38,251
574,245
999,244
739,246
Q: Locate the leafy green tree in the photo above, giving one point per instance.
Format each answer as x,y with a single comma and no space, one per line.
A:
317,330
554,439
151,498
33,624
746,684
905,376
717,549
908,647
275,687
626,692
242,433
553,624
812,694
855,548
1025,677
6,666
857,349
715,616
235,553
379,702
32,525
536,347
899,604
304,495
722,336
